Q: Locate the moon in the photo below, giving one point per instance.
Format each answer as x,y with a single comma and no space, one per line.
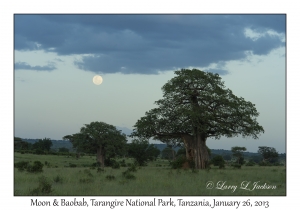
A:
97,80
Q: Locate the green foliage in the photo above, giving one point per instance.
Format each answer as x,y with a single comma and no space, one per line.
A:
168,153
42,145
250,163
58,179
269,154
182,162
19,144
63,150
196,105
236,165
122,163
237,152
37,167
100,138
128,175
72,165
22,165
181,151
218,161
44,188
110,177
142,152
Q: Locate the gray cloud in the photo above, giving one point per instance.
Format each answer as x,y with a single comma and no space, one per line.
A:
147,44
25,66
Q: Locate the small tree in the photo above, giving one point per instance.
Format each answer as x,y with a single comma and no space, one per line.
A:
238,153
44,144
100,138
218,161
269,154
168,153
141,151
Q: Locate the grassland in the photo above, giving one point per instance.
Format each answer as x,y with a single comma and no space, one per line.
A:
156,179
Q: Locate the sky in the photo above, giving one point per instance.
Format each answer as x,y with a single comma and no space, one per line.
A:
57,56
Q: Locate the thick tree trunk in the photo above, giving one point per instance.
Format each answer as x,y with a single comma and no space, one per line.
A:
196,150
100,156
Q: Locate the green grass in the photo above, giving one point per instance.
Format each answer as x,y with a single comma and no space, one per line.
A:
153,179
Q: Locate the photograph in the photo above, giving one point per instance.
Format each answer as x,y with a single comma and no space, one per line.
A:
149,105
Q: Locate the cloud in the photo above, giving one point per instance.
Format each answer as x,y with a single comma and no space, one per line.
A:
148,44
25,66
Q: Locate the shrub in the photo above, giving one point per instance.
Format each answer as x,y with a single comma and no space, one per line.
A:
179,162
37,167
72,165
218,160
39,152
264,163
88,172
110,177
58,179
22,165
86,180
44,187
250,163
236,165
127,175
116,165
99,170
132,168
182,162
122,163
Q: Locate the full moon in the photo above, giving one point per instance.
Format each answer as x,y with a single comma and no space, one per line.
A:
97,80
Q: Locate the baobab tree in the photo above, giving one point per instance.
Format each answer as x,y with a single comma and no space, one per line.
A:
100,138
197,106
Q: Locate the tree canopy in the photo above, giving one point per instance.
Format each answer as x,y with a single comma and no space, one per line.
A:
196,106
268,153
100,138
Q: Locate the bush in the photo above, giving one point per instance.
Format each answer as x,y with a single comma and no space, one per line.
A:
58,179
72,165
236,165
110,177
132,168
182,162
39,152
218,160
128,175
116,165
44,187
122,163
22,165
100,170
178,162
37,167
250,163
262,163
86,180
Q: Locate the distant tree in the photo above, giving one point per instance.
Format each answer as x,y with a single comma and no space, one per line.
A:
43,144
153,152
257,158
19,144
181,151
168,153
227,157
100,138
141,151
63,149
218,161
269,154
237,152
